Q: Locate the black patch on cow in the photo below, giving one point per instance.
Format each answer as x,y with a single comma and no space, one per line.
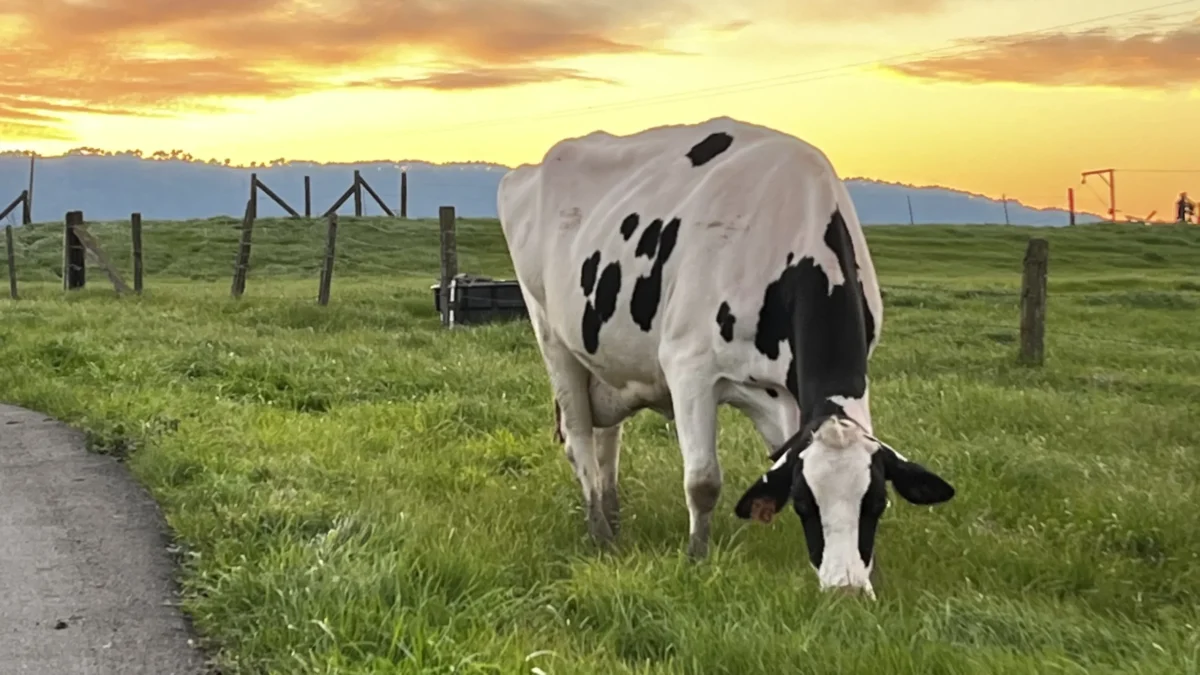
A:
868,319
597,311
587,273
832,360
647,291
805,505
833,326
773,321
871,510
607,290
772,393
648,243
726,319
629,226
703,152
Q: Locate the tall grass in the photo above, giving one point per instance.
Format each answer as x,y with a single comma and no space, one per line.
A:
359,491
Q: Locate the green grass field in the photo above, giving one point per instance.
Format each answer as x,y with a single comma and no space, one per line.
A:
359,491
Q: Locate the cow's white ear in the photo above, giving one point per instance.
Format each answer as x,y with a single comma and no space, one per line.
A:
912,481
770,493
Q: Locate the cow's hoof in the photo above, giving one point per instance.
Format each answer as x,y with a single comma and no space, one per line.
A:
697,549
610,505
599,529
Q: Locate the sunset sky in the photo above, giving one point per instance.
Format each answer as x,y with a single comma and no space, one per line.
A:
997,110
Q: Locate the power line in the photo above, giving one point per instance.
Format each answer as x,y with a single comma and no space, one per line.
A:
805,76
1158,170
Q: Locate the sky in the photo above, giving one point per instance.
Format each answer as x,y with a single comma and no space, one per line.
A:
998,97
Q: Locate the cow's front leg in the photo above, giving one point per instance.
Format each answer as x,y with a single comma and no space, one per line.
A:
695,406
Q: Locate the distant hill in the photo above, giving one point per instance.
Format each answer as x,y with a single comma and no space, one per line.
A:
111,186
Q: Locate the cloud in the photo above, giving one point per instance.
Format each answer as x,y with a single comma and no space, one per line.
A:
480,78
850,11
150,57
1101,57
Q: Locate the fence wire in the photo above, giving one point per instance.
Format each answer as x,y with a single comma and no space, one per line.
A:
384,251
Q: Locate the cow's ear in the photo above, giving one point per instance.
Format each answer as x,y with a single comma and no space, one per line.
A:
914,482
770,493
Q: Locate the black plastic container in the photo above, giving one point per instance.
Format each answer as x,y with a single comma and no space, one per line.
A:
483,300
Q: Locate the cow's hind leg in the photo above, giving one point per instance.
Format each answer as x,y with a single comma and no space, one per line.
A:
569,380
694,402
607,444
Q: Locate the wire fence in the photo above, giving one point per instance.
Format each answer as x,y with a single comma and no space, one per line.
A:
394,257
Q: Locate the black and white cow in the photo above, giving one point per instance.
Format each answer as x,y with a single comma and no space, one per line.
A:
687,266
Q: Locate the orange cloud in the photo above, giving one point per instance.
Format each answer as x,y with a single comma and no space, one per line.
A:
149,57
480,78
850,11
152,55
1100,57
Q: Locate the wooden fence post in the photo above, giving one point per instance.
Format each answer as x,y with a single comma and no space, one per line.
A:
1004,199
358,200
254,195
1033,301
243,255
27,213
135,230
449,262
307,197
12,261
327,268
404,194
259,185
341,200
21,200
364,185
74,254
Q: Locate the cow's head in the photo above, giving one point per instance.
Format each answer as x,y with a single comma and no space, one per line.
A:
833,470
835,475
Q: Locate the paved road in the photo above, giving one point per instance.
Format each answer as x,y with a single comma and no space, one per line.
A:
86,582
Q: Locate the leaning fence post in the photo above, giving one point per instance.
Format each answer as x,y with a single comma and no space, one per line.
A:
1033,301
12,261
327,268
135,231
449,262
243,255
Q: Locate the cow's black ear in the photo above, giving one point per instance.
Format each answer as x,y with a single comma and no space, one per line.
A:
770,493
912,481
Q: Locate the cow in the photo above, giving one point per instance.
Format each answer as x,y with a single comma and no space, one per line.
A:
687,266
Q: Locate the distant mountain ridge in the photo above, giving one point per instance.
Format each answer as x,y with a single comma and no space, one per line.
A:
111,186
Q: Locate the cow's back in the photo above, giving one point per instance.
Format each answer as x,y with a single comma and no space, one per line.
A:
627,243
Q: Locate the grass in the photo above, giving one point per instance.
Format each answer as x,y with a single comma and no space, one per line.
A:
357,491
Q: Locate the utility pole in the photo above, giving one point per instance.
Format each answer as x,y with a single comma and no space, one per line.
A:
1111,181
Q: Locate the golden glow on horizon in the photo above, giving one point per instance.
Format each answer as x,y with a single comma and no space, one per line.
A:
1029,141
